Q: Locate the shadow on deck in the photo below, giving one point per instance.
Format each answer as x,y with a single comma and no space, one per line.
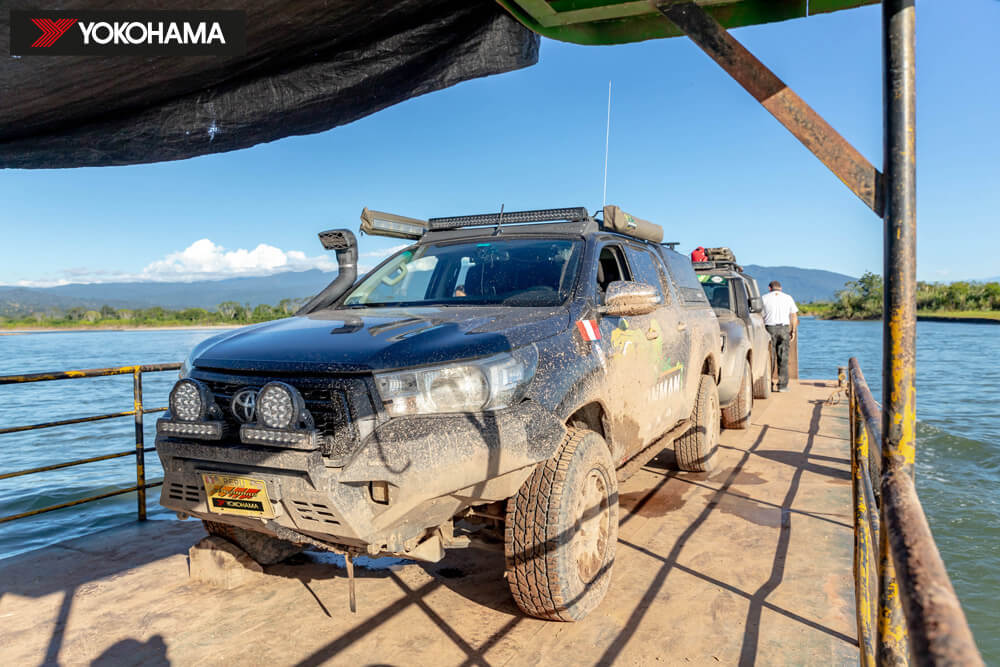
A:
748,565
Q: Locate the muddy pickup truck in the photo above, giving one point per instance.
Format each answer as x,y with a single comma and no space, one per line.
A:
494,380
746,353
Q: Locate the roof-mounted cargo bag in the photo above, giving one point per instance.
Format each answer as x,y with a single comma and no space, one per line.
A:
619,221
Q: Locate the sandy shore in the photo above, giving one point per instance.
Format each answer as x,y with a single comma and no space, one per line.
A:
29,330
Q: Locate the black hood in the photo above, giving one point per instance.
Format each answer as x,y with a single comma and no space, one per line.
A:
373,339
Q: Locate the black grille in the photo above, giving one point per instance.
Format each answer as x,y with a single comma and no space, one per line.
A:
336,403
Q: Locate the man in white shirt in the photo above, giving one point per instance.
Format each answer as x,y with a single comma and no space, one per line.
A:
781,321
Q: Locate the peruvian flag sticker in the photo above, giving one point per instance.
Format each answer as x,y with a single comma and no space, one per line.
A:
588,329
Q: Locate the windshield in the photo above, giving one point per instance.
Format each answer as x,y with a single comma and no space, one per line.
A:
717,290
517,272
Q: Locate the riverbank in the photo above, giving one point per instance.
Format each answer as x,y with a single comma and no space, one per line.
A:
17,331
962,316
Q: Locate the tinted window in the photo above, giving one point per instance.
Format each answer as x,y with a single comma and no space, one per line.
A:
513,272
682,273
644,268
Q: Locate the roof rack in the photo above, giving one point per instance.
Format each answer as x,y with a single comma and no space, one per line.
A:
723,264
571,214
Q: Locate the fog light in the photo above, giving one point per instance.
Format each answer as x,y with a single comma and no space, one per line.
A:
279,405
211,430
190,401
296,439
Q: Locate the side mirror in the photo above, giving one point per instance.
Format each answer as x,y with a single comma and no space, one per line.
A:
630,298
756,304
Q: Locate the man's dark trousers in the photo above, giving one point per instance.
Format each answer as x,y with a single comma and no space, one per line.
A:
781,340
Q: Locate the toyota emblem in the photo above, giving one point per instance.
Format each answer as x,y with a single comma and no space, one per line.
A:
243,405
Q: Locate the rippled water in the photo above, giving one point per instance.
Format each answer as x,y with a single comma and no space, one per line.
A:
958,460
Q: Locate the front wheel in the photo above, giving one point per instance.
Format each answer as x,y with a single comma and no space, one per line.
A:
762,385
696,448
737,415
562,529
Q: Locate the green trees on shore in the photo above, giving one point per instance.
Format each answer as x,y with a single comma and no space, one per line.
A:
861,299
229,312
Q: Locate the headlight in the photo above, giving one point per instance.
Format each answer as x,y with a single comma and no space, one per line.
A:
190,401
488,384
279,405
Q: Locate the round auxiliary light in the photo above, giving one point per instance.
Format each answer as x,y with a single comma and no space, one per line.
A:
279,405
190,401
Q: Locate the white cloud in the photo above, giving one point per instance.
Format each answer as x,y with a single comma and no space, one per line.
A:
205,260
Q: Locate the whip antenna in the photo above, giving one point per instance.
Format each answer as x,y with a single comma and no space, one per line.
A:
607,136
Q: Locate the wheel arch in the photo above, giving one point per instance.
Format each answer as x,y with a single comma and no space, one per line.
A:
710,366
593,417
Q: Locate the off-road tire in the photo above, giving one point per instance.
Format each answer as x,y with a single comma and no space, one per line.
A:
762,385
559,556
737,415
264,549
695,449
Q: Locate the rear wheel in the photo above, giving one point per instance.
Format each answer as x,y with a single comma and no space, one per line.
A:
562,529
264,549
696,448
737,415
762,385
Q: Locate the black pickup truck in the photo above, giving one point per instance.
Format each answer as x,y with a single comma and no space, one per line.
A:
498,376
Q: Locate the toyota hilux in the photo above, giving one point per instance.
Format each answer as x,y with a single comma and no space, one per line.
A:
746,353
502,373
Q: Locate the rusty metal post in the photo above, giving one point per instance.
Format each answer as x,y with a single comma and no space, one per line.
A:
849,165
140,453
899,334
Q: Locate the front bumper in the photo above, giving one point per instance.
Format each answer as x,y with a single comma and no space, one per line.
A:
435,466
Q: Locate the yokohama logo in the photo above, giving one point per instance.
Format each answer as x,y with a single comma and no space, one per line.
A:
52,30
128,33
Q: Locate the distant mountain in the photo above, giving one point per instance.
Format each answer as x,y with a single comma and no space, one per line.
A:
201,294
804,285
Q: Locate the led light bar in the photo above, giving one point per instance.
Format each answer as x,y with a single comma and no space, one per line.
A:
378,223
199,430
512,218
279,437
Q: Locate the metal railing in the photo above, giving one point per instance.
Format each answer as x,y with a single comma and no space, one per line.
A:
136,412
906,606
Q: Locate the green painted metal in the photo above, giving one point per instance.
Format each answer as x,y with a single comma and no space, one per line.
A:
605,22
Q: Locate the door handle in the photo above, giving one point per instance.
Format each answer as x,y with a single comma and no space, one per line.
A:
681,326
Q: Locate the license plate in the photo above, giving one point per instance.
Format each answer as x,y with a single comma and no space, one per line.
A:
237,495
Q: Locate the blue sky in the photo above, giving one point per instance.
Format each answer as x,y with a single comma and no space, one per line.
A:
689,149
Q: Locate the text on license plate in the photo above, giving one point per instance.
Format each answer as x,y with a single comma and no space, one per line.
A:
237,495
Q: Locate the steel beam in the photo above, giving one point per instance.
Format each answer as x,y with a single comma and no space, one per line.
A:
799,118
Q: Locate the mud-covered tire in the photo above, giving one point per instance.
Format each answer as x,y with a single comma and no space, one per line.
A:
264,549
562,529
695,449
762,385
737,414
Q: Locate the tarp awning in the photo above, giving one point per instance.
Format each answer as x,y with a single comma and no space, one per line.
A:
309,66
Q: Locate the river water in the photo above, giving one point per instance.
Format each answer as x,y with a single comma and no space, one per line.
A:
958,459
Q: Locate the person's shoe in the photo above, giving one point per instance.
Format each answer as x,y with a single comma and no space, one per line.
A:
783,390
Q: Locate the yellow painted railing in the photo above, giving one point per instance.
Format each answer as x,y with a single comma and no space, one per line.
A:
136,413
907,609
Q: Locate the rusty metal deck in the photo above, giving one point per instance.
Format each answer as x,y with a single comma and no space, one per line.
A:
751,564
